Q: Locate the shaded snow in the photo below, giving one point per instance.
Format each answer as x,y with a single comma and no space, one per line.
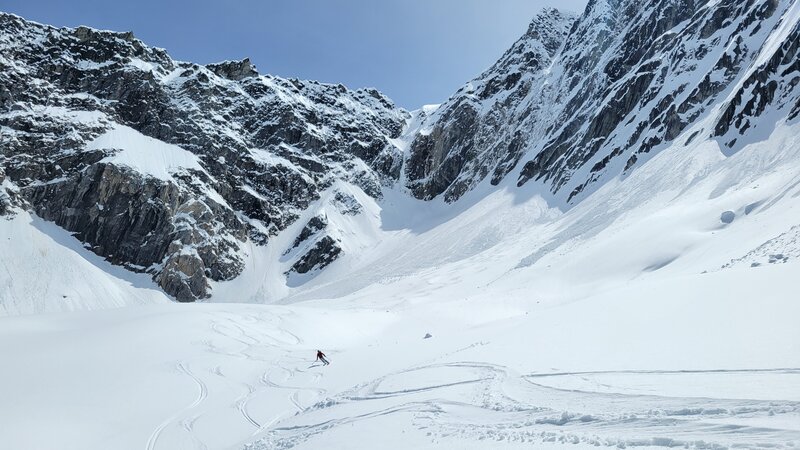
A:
44,269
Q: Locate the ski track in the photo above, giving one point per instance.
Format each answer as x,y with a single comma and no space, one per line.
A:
597,372
187,425
538,413
241,406
238,338
476,401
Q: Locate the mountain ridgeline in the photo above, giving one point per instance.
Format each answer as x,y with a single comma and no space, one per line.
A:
577,100
170,167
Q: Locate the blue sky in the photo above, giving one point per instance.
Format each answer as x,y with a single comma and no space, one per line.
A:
415,51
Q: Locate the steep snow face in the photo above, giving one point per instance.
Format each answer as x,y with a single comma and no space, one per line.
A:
169,167
143,154
628,79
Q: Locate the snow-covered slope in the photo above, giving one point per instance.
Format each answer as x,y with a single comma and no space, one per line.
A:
663,361
619,323
44,269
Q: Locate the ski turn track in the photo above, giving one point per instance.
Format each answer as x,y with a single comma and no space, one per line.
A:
252,383
172,420
492,404
247,354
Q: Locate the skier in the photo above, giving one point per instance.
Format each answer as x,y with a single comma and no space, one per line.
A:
321,357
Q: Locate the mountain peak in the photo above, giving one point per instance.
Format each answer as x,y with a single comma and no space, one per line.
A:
549,27
84,34
234,70
586,98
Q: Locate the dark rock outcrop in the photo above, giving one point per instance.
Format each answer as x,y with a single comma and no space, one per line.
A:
317,223
324,252
774,84
144,224
234,70
267,147
473,134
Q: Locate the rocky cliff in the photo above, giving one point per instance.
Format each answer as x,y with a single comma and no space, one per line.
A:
579,100
88,116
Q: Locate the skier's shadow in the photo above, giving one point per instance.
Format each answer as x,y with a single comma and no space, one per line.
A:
315,365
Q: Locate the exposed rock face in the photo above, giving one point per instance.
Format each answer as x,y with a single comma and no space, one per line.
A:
314,248
577,101
317,223
324,252
234,70
5,198
772,85
475,133
347,204
265,147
